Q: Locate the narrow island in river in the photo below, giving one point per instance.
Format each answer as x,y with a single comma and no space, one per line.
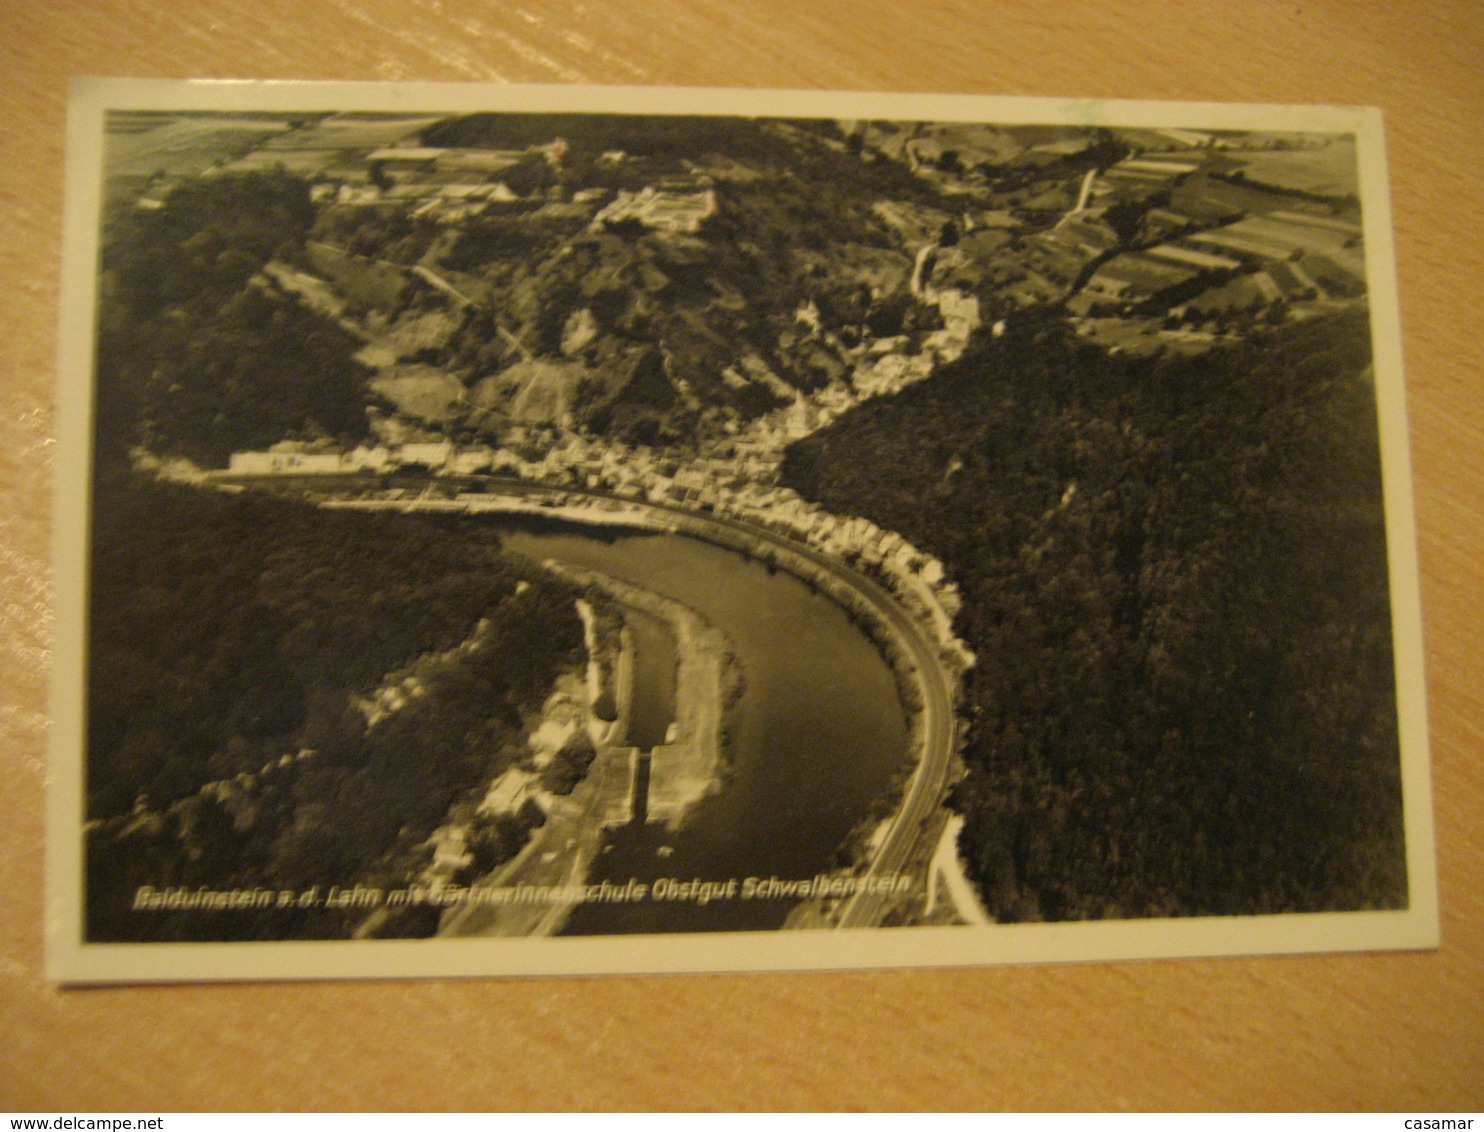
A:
686,766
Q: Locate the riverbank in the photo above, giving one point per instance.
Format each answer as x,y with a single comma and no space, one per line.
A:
553,505
708,680
862,850
924,672
682,772
927,766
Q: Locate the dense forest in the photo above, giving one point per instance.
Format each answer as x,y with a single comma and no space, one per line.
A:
1174,578
236,642
198,356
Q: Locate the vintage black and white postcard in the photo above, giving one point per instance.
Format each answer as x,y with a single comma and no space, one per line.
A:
535,530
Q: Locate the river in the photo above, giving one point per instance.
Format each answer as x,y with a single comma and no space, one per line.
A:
819,731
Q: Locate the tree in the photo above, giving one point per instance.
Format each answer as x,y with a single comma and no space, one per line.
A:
1184,700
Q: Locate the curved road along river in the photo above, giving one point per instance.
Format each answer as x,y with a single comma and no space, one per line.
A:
929,780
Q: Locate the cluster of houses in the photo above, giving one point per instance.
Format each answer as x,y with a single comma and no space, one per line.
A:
450,185
444,185
680,209
299,458
880,367
714,484
448,203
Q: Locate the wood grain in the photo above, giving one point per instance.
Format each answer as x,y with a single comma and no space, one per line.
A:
1398,1031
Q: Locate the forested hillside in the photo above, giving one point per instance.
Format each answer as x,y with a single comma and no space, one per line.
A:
646,332
1174,578
235,640
231,638
197,355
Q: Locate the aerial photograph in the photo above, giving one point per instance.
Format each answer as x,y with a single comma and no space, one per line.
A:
522,524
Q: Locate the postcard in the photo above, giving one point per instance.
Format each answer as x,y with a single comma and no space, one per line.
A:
538,530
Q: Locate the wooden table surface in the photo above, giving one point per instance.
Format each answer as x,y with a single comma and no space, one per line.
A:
1389,1031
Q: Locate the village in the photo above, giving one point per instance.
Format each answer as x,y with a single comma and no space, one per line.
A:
598,481
1164,245
1211,257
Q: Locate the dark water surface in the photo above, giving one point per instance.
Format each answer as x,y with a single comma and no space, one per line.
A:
818,733
652,691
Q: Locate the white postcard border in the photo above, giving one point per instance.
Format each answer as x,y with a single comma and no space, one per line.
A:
71,960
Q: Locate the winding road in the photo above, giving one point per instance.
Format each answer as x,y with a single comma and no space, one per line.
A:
930,778
924,791
929,781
